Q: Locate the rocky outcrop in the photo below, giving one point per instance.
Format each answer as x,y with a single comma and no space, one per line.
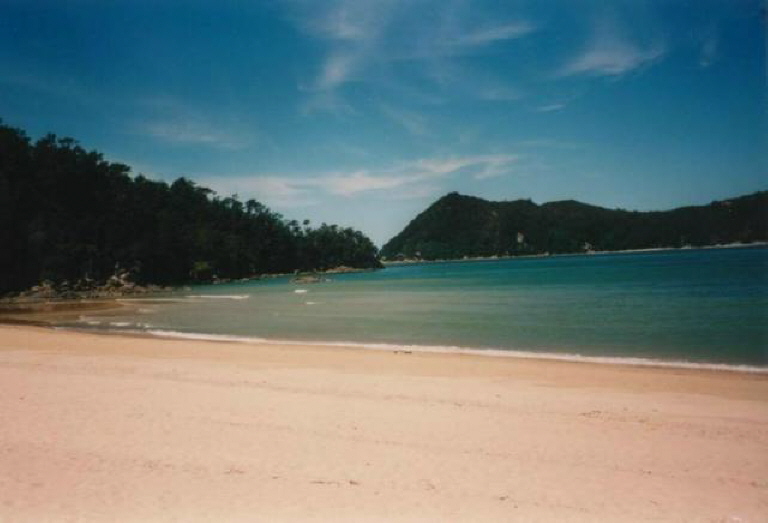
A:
308,278
343,269
118,285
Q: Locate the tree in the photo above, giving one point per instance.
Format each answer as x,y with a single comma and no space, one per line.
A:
66,213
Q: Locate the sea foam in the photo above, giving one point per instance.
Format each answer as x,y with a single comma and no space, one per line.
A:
219,296
453,349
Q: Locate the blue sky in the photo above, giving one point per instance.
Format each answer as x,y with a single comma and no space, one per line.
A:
362,112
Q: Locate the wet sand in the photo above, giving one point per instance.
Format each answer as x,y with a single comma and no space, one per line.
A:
117,428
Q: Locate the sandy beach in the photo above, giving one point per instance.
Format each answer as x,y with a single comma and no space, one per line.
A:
117,428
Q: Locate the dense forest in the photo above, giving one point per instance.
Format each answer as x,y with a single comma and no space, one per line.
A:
68,214
458,226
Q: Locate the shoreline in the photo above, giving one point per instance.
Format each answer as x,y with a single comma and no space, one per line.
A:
568,357
50,314
104,428
47,312
757,244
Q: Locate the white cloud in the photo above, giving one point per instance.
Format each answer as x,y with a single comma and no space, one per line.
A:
495,166
497,33
181,132
272,190
411,176
403,181
343,20
612,59
498,93
413,122
351,30
364,40
326,101
65,87
709,52
336,70
548,143
611,52
440,166
175,122
361,181
550,108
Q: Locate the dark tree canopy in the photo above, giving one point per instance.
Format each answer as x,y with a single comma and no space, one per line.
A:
456,226
66,213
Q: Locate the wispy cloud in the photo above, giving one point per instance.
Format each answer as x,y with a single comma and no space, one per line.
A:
547,143
273,190
337,69
174,122
495,166
350,29
411,175
709,52
611,52
180,132
64,87
498,93
364,40
413,122
497,33
548,108
343,20
401,181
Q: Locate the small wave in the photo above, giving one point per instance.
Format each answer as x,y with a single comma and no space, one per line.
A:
205,337
182,299
301,291
310,303
151,300
219,296
119,325
479,351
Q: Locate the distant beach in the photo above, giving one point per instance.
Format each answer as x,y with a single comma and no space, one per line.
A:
388,263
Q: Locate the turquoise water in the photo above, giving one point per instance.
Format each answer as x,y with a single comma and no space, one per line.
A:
706,305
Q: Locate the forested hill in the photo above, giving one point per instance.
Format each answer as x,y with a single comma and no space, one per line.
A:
456,226
68,214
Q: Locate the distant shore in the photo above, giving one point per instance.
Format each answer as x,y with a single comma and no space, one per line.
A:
411,261
121,286
105,428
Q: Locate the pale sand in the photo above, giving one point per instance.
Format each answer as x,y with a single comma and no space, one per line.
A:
111,428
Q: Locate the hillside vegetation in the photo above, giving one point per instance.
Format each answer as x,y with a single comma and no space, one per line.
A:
68,214
458,226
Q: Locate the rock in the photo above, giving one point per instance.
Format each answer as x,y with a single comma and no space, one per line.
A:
308,278
342,269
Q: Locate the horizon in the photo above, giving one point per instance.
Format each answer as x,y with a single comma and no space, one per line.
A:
363,113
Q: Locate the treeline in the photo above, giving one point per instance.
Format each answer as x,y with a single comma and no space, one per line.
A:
457,226
67,214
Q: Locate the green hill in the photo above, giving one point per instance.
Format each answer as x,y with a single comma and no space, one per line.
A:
456,226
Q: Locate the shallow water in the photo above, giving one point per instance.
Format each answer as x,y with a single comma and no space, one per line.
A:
708,305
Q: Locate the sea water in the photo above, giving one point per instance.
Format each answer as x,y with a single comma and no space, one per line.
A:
696,305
